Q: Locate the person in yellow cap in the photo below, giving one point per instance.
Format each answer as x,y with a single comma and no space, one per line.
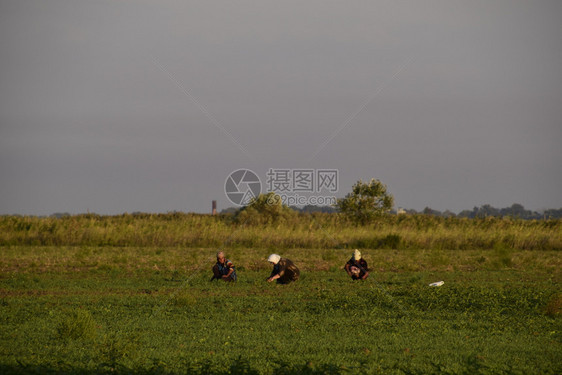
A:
284,271
357,267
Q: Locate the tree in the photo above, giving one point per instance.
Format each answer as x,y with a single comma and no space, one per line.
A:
264,209
487,210
517,211
366,201
466,213
553,213
430,211
448,213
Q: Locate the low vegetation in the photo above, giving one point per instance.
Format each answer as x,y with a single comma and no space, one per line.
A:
318,230
131,294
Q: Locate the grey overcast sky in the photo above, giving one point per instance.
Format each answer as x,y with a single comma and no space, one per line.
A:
122,106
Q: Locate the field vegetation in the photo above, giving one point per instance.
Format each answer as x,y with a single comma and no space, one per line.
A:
285,230
131,294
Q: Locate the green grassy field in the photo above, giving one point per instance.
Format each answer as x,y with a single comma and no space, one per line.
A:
104,309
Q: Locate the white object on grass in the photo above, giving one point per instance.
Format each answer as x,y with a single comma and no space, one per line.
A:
438,283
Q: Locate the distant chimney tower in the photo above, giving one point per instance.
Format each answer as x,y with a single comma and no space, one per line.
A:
214,207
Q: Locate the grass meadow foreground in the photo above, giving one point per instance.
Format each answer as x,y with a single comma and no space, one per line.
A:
103,309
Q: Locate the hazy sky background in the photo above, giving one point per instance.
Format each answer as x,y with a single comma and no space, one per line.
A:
462,100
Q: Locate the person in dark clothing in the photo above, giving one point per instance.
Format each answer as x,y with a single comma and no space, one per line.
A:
223,269
356,267
284,271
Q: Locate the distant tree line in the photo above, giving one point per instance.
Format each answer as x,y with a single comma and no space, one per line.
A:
516,210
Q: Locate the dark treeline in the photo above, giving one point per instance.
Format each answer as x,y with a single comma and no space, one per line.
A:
516,210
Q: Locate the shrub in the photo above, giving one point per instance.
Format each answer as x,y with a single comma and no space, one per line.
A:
554,306
77,324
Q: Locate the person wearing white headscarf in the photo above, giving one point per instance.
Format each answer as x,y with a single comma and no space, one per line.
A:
356,267
284,270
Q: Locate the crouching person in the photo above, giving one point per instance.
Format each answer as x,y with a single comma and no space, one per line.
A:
284,271
223,269
356,267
